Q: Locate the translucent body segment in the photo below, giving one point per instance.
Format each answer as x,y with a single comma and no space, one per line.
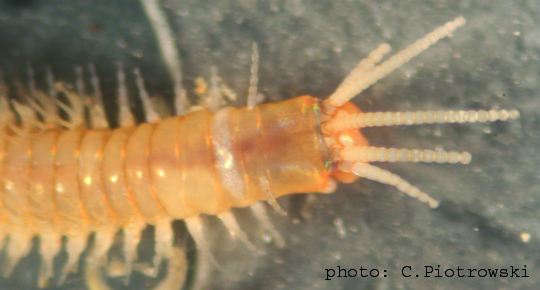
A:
376,119
292,157
93,196
92,190
41,194
13,195
355,85
119,197
72,219
138,175
16,161
377,174
199,187
375,154
15,183
163,161
228,162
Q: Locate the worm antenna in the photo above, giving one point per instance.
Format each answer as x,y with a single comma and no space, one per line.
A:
377,119
377,174
367,63
359,82
375,154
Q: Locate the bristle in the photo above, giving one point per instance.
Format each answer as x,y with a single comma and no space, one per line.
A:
98,118
169,52
254,79
125,117
231,224
75,246
150,113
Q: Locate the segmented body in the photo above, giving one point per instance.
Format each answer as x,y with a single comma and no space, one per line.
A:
90,179
77,181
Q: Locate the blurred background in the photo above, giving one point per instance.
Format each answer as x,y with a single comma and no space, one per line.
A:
489,213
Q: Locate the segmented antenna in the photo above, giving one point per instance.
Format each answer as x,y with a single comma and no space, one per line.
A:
377,174
367,63
377,154
357,81
377,119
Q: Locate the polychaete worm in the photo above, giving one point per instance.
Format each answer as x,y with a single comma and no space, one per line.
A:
74,176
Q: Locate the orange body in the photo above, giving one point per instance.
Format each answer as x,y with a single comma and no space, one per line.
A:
73,182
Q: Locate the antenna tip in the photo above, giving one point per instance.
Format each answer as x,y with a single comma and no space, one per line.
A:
465,158
513,114
460,21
